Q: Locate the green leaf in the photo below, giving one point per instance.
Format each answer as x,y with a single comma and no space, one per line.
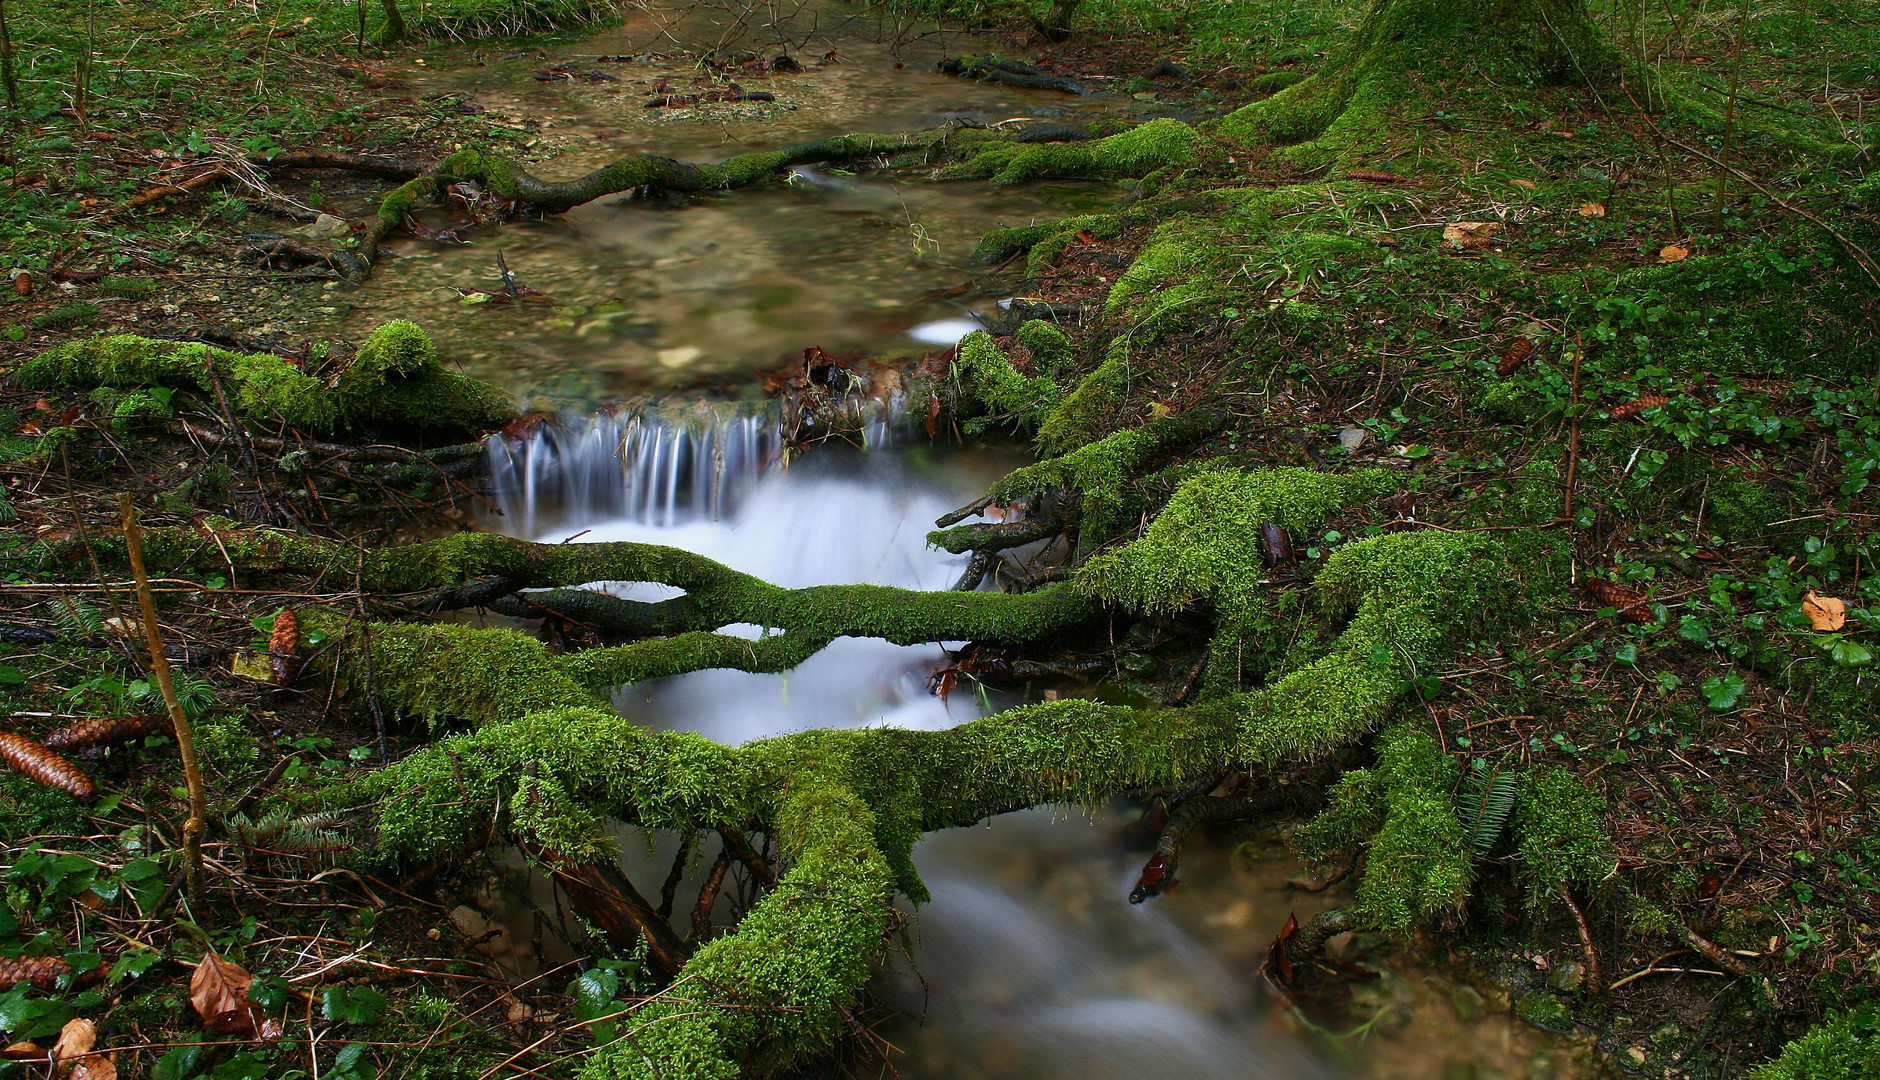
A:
10,675
1847,653
593,993
353,1005
1723,693
269,993
243,1066
131,965
179,1064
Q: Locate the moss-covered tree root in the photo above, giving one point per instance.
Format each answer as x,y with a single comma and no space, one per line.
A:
394,379
480,569
508,180
549,765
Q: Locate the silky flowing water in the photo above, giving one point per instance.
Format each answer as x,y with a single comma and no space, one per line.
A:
1029,963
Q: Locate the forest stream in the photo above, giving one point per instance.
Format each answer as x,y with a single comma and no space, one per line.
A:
939,540
1029,963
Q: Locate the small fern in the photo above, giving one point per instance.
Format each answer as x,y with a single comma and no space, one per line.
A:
278,833
1487,802
77,620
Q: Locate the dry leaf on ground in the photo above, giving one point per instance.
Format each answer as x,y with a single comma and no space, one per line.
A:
96,1068
1524,185
76,1039
1824,612
22,1051
1673,253
219,992
1593,209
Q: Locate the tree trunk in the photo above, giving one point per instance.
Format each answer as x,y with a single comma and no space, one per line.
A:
395,29
1402,48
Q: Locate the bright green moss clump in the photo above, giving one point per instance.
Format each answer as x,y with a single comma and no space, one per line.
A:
1560,823
1845,1046
1344,108
1132,153
1089,408
988,375
1102,471
394,379
1205,544
1418,869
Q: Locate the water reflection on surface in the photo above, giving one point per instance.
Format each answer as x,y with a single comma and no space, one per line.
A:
673,293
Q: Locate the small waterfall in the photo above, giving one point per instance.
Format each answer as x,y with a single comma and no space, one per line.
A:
660,467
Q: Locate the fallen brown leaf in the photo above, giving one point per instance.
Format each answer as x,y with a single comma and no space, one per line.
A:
1593,209
76,1039
22,1051
219,992
96,1068
1524,185
1824,612
1673,253
23,284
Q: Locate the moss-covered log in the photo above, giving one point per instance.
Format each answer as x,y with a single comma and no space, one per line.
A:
394,379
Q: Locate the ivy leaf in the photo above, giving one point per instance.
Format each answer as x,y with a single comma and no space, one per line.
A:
1723,693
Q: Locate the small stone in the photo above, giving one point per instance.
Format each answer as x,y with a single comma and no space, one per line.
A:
679,357
1351,438
1637,1054
1467,1003
1567,977
325,227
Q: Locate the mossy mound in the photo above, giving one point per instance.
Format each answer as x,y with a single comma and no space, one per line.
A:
395,379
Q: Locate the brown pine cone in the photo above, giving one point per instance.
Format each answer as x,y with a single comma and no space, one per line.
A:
42,971
107,731
1633,408
282,645
45,766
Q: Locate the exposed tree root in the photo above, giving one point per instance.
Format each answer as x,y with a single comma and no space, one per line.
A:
529,193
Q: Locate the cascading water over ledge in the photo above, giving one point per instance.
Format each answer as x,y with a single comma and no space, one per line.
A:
661,466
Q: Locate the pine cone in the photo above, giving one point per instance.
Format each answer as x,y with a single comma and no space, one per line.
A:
42,971
282,645
1514,356
1631,605
45,766
107,731
1633,408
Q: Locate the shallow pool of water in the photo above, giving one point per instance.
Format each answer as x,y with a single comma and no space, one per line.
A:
655,294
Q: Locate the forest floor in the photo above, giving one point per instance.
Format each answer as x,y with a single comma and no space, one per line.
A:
1707,445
